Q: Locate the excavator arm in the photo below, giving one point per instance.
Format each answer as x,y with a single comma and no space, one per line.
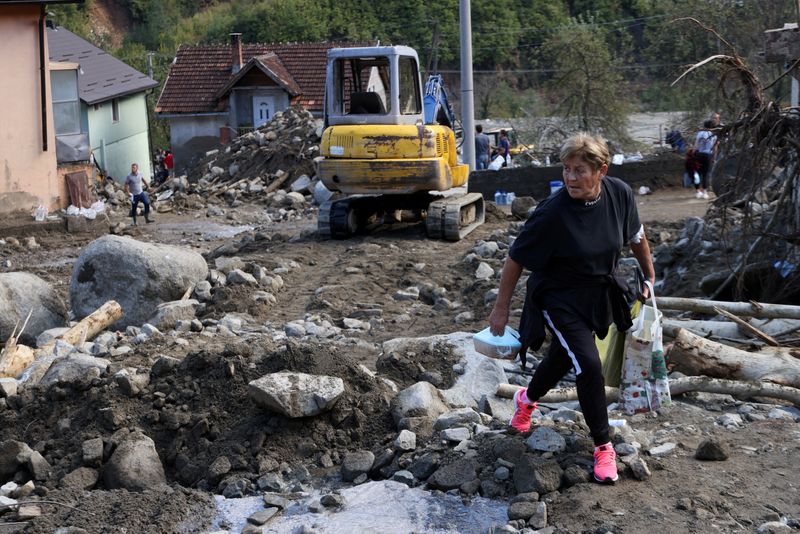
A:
437,107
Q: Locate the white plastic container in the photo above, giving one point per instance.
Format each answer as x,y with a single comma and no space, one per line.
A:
503,347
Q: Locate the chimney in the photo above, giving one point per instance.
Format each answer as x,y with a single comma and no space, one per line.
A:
236,52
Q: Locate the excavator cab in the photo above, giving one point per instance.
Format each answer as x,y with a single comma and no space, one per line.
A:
377,85
387,145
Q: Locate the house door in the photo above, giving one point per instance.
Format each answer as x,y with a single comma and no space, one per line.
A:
263,109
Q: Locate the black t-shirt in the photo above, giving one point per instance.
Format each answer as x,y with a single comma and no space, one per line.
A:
570,245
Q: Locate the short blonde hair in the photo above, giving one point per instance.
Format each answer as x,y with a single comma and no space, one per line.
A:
592,149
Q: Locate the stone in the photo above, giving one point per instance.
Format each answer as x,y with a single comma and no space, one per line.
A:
202,291
75,370
545,439
332,500
134,465
786,413
459,417
410,293
730,420
502,473
712,450
464,317
138,275
404,477
454,474
484,271
226,264
662,450
294,330
82,478
296,394
539,519
262,516
355,464
38,466
8,387
536,474
26,512
425,465
419,400
455,435
406,441
522,510
486,249
13,455
238,276
637,466
271,482
521,206
272,500
22,293
168,314
164,366
92,451
220,467
575,474
131,383
49,335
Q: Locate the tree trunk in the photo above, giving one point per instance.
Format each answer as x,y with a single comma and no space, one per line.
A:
14,359
678,386
742,309
694,355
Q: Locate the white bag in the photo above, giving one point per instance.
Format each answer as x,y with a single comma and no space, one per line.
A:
644,385
497,163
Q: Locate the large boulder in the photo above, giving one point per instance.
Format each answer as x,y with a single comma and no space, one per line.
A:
419,400
135,465
296,394
138,275
19,294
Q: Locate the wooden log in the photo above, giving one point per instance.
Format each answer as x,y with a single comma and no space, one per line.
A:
694,355
277,183
742,309
679,386
747,327
91,325
506,391
14,359
737,388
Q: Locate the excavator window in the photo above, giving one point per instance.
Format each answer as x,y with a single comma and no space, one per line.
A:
361,86
410,100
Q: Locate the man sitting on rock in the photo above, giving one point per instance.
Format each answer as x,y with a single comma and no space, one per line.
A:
134,186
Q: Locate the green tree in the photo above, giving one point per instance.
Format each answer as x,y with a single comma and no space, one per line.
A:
585,86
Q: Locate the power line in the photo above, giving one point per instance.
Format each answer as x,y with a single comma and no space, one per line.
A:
546,71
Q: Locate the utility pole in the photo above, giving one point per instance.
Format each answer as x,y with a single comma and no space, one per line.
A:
467,93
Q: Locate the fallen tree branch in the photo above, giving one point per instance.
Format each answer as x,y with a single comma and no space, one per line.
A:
694,355
748,327
678,386
742,309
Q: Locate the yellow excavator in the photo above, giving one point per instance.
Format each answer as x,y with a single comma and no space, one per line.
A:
389,146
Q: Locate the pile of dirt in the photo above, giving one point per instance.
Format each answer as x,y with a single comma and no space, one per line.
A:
430,364
198,410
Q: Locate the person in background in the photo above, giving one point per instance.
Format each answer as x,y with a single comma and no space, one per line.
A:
482,148
504,148
705,145
135,186
169,164
571,244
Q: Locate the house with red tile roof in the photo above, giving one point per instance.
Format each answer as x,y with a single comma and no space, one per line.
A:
216,92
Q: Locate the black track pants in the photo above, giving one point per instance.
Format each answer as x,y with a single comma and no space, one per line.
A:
573,346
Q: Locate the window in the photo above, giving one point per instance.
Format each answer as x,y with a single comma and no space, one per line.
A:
66,105
361,87
115,110
410,101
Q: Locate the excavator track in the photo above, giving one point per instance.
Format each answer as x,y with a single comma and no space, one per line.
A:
453,218
450,218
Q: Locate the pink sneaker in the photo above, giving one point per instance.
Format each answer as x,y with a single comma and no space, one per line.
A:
522,411
605,464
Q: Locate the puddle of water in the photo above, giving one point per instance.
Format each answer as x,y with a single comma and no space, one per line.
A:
383,507
207,229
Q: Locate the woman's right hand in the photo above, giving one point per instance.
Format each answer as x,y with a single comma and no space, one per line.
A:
498,320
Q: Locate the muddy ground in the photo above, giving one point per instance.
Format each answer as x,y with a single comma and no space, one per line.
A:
353,278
